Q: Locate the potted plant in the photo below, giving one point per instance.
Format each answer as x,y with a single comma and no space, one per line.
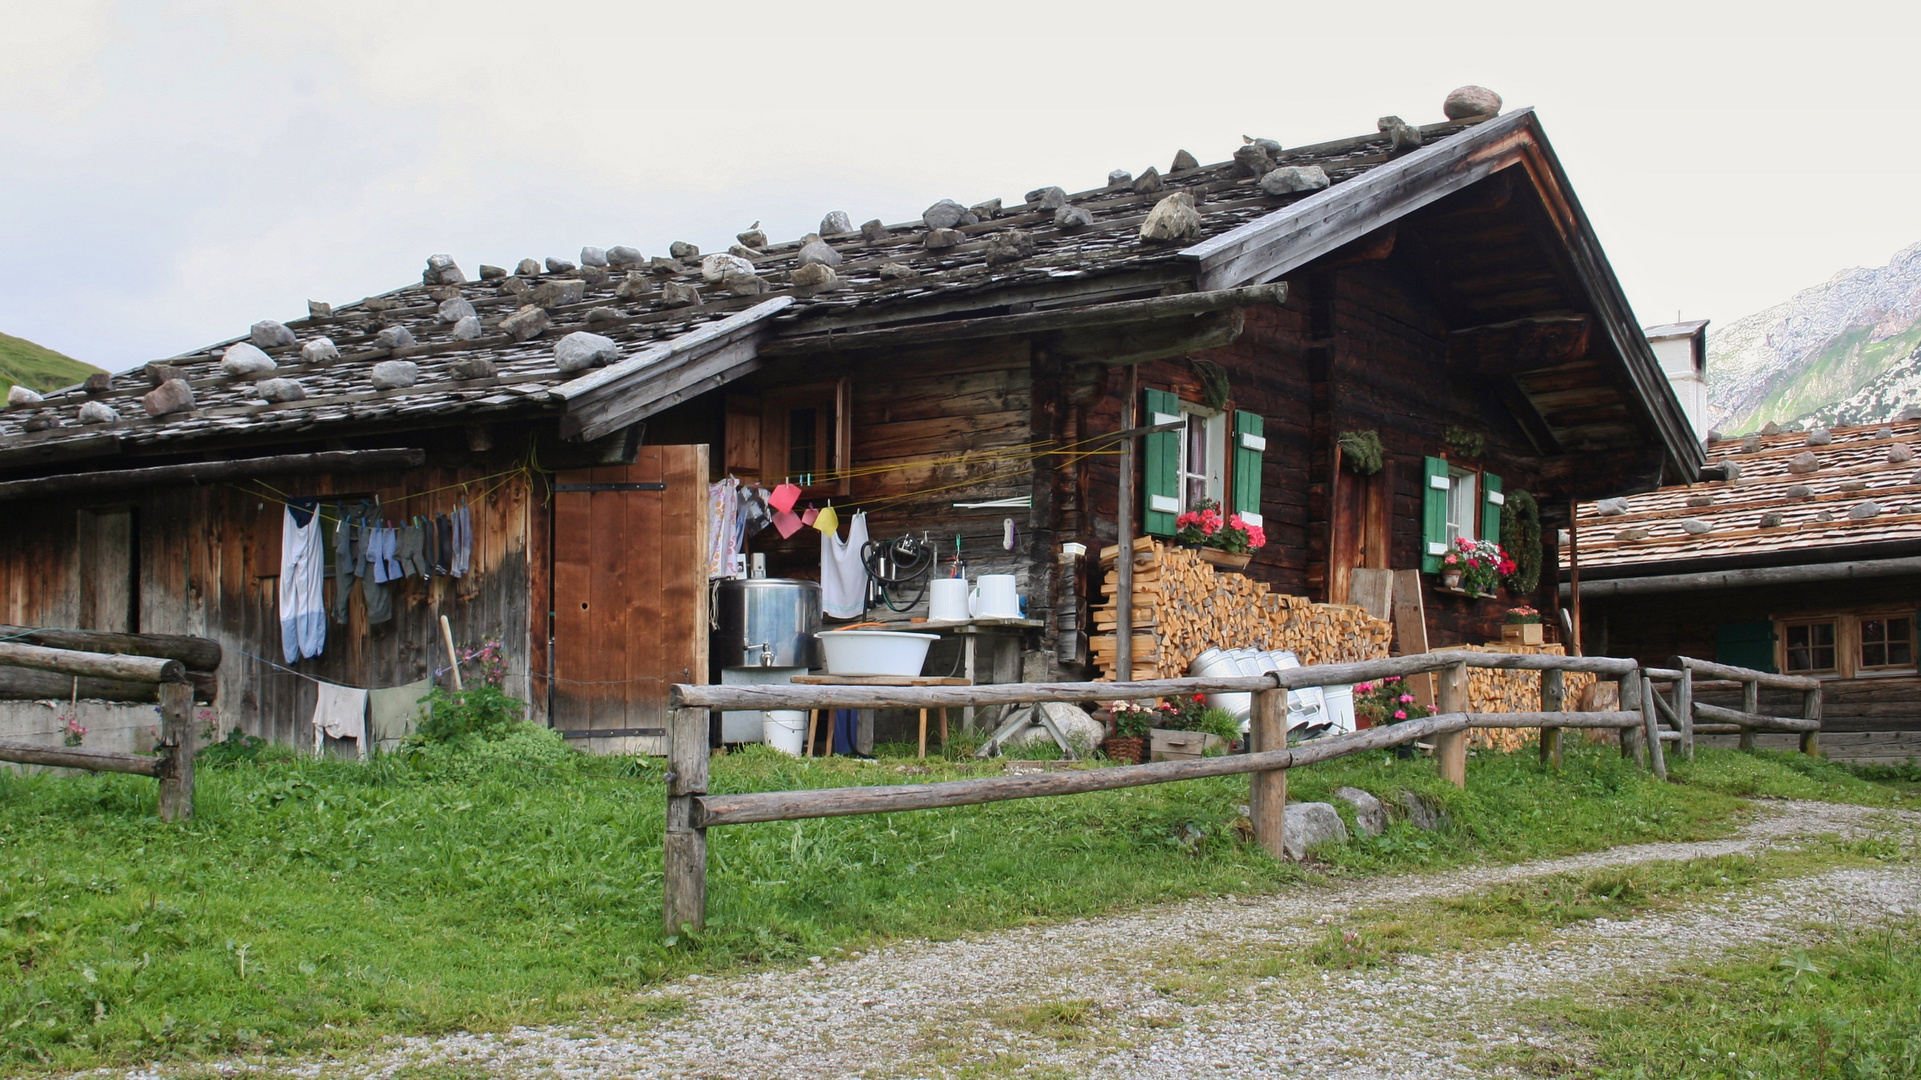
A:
1474,566
1187,728
1522,626
1224,540
1378,704
1132,722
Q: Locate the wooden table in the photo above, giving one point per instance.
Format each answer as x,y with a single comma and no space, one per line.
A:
1001,664
813,715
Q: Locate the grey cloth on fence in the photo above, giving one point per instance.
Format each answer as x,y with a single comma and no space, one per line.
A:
408,548
380,606
444,552
343,566
463,541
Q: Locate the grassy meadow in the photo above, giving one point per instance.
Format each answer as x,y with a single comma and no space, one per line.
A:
314,905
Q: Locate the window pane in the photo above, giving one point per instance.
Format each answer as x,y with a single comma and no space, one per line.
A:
1822,633
1873,630
1811,647
1797,637
801,440
1463,507
1900,654
1873,655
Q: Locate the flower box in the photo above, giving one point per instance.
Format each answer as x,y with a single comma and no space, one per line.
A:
1226,560
1183,745
1521,633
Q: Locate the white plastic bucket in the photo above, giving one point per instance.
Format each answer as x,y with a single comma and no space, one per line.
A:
1338,707
784,730
947,600
1217,664
995,597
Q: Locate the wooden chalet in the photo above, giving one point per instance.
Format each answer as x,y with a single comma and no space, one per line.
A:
1449,297
1797,552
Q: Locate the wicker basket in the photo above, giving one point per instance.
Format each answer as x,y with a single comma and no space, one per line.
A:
1128,751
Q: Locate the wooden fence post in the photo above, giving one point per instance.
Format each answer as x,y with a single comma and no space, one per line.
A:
1267,791
1811,710
179,738
1651,727
1553,699
1750,703
1631,737
684,891
1450,749
1684,706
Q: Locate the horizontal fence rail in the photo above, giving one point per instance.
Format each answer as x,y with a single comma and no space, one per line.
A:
173,766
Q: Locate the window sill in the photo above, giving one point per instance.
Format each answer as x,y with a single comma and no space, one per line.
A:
1464,592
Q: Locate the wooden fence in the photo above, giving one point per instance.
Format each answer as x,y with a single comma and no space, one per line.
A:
168,677
1684,712
691,811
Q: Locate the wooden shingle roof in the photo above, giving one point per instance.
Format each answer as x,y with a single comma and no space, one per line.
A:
1864,494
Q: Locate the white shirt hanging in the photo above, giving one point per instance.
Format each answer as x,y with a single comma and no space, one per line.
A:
843,575
303,617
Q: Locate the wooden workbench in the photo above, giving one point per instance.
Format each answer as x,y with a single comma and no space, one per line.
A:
813,715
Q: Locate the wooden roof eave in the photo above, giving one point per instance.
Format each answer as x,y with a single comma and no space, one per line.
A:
1273,245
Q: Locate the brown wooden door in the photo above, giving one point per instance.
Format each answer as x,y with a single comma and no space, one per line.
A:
630,596
1360,528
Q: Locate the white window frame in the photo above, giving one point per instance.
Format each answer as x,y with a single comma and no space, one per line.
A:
1213,480
1463,497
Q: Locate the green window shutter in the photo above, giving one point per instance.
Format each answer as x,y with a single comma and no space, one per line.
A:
1249,444
1748,645
1491,500
1162,497
1434,516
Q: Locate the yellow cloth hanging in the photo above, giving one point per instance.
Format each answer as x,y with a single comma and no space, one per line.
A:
827,521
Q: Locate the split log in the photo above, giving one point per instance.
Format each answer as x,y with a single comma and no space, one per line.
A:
208,472
73,757
27,684
197,653
715,810
1755,721
150,669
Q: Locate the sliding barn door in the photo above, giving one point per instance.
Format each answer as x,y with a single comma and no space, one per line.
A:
630,596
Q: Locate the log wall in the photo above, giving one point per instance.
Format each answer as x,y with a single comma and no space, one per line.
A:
206,560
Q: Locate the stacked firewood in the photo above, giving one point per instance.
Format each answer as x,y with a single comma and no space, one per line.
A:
1498,690
1183,606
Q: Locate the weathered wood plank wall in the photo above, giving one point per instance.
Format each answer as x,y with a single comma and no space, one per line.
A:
208,563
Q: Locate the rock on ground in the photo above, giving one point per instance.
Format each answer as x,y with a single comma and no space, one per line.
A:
1310,824
1370,816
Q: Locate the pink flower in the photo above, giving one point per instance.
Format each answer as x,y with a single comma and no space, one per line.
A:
1407,699
1392,679
1400,714
1364,688
1451,559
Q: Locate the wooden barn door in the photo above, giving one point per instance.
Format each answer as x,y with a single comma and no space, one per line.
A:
630,596
1360,528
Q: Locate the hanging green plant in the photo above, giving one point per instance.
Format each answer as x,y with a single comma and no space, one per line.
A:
1361,451
1214,388
1521,536
1464,442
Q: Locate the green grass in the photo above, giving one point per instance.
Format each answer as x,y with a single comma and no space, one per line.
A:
315,904
37,367
1845,1006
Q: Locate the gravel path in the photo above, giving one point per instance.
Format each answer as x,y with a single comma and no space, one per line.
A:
1170,992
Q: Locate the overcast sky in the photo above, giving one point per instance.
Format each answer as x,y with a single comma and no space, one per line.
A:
175,171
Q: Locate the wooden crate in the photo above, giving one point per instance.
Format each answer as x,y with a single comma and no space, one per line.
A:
1521,633
1181,745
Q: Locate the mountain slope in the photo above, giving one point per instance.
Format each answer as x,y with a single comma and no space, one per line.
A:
1828,345
37,367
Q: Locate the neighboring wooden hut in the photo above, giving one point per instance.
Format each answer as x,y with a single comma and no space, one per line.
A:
1796,553
1436,287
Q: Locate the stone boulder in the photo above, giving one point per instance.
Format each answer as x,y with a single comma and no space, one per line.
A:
561,266
278,390
560,292
944,214
1076,726
1008,246
1172,219
492,273
99,412
395,337
1423,814
527,268
394,374
171,396
1864,511
1184,162
1820,436
942,239
527,323
674,294
636,283
1311,824
471,368
1294,178
319,351
1899,453
1072,218
1370,816
241,360
1803,463
681,249
453,310
1048,198
815,277
467,328
835,223
622,255
1471,102
715,268
1696,527
20,395
1614,507
817,252
593,256
442,270
1148,182
268,334
581,350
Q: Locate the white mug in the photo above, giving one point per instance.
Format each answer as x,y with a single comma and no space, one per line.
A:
947,600
994,597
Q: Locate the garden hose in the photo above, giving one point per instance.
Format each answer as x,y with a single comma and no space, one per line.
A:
895,566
